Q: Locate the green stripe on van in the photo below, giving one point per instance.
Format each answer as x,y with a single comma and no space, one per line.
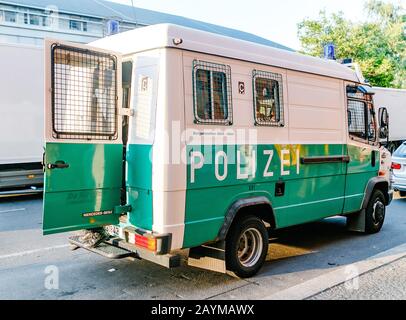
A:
139,185
312,191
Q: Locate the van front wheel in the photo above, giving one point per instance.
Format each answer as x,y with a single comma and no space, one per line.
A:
375,213
246,246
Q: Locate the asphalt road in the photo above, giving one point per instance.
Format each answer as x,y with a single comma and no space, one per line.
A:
296,256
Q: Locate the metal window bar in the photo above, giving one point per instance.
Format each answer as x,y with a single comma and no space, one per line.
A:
361,115
84,94
212,92
371,128
272,82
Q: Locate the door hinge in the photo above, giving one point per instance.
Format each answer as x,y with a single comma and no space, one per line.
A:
126,112
122,209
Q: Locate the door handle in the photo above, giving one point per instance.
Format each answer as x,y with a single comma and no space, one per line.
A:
58,165
373,158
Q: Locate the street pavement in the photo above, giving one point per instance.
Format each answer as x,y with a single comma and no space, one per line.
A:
297,256
385,283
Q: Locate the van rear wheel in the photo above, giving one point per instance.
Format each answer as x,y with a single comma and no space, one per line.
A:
246,246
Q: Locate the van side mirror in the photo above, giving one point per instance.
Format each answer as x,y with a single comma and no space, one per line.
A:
383,123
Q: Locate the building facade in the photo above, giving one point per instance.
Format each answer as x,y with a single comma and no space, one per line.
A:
83,21
30,25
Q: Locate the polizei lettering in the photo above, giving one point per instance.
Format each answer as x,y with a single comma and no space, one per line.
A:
247,166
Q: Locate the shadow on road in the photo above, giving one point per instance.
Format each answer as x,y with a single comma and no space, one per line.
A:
327,244
20,198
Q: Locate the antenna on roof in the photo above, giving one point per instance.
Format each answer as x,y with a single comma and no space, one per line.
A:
134,12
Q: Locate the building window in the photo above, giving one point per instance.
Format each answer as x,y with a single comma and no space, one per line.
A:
212,93
77,25
268,98
35,19
361,115
74,25
10,16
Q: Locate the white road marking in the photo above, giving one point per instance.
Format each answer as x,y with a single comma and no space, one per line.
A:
24,253
339,276
13,210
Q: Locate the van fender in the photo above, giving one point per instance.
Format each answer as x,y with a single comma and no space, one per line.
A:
237,206
382,184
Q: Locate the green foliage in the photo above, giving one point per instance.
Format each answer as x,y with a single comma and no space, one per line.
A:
378,44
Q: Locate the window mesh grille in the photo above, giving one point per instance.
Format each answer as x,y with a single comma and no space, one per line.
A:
361,115
268,98
212,93
84,94
356,118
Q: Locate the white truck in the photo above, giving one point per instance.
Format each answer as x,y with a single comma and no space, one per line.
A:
394,100
21,119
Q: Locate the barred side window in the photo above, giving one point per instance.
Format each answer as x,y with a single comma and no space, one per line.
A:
268,99
212,93
356,118
361,115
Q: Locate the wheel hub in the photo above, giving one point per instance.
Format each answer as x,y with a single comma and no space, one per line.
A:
379,212
250,247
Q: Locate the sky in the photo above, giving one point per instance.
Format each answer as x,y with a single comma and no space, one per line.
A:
275,20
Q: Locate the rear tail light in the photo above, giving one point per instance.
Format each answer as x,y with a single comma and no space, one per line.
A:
396,166
145,242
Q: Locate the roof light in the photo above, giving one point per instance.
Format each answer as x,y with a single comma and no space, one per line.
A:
329,51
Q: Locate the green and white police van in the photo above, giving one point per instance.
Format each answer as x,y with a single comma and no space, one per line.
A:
171,138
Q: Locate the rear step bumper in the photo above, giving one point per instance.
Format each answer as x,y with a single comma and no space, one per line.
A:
116,248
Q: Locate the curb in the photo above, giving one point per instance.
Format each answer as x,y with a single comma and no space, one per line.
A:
339,276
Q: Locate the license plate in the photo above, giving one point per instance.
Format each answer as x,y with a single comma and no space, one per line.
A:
113,230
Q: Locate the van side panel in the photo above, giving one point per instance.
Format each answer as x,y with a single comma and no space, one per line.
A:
314,126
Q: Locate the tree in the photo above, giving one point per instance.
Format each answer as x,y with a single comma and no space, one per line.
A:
378,44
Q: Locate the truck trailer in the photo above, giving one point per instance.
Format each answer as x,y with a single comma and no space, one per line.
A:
167,138
21,118
394,100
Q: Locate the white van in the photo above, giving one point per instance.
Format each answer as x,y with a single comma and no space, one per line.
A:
223,140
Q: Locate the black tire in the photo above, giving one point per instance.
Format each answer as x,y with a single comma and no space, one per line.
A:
375,213
402,193
247,227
